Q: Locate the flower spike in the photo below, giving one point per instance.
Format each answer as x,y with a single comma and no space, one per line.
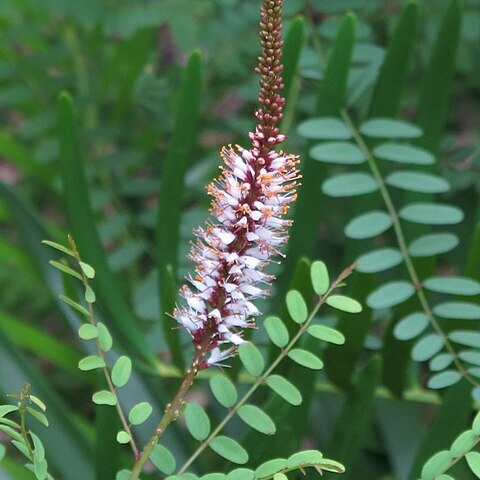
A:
247,225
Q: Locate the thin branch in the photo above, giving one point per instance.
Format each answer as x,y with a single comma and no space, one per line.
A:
403,246
261,379
101,354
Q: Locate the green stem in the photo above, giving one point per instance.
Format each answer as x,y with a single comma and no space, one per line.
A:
173,409
101,354
261,379
402,244
23,427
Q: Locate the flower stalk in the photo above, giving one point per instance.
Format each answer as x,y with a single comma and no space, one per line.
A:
245,231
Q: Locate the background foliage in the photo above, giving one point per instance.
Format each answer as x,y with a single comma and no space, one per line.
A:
128,175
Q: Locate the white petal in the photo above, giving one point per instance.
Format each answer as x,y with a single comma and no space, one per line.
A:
251,290
232,257
250,262
226,237
256,215
196,303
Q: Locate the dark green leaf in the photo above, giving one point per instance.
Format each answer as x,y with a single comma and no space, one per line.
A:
458,310
343,303
305,358
389,128
427,347
104,338
444,379
433,244
390,294
76,306
91,362
319,277
400,153
163,459
104,397
327,334
257,419
292,48
307,457
89,294
121,371
342,153
277,331
88,270
82,223
431,214
223,390
139,413
368,225
282,387
411,326
241,474
453,285
123,437
349,185
174,167
214,476
473,460
331,466
476,424
465,337
6,409
230,449
271,467
59,247
463,443
394,69
470,356
38,416
251,358
325,128
65,268
418,182
435,90
379,260
436,465
197,421
440,362
297,308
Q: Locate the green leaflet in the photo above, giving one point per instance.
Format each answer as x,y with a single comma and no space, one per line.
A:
223,390
197,421
139,413
252,359
297,308
277,331
285,389
230,449
163,459
121,371
257,419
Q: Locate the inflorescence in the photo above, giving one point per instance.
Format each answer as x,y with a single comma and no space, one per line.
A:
247,226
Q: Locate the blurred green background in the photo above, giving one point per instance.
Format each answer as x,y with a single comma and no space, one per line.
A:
151,119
